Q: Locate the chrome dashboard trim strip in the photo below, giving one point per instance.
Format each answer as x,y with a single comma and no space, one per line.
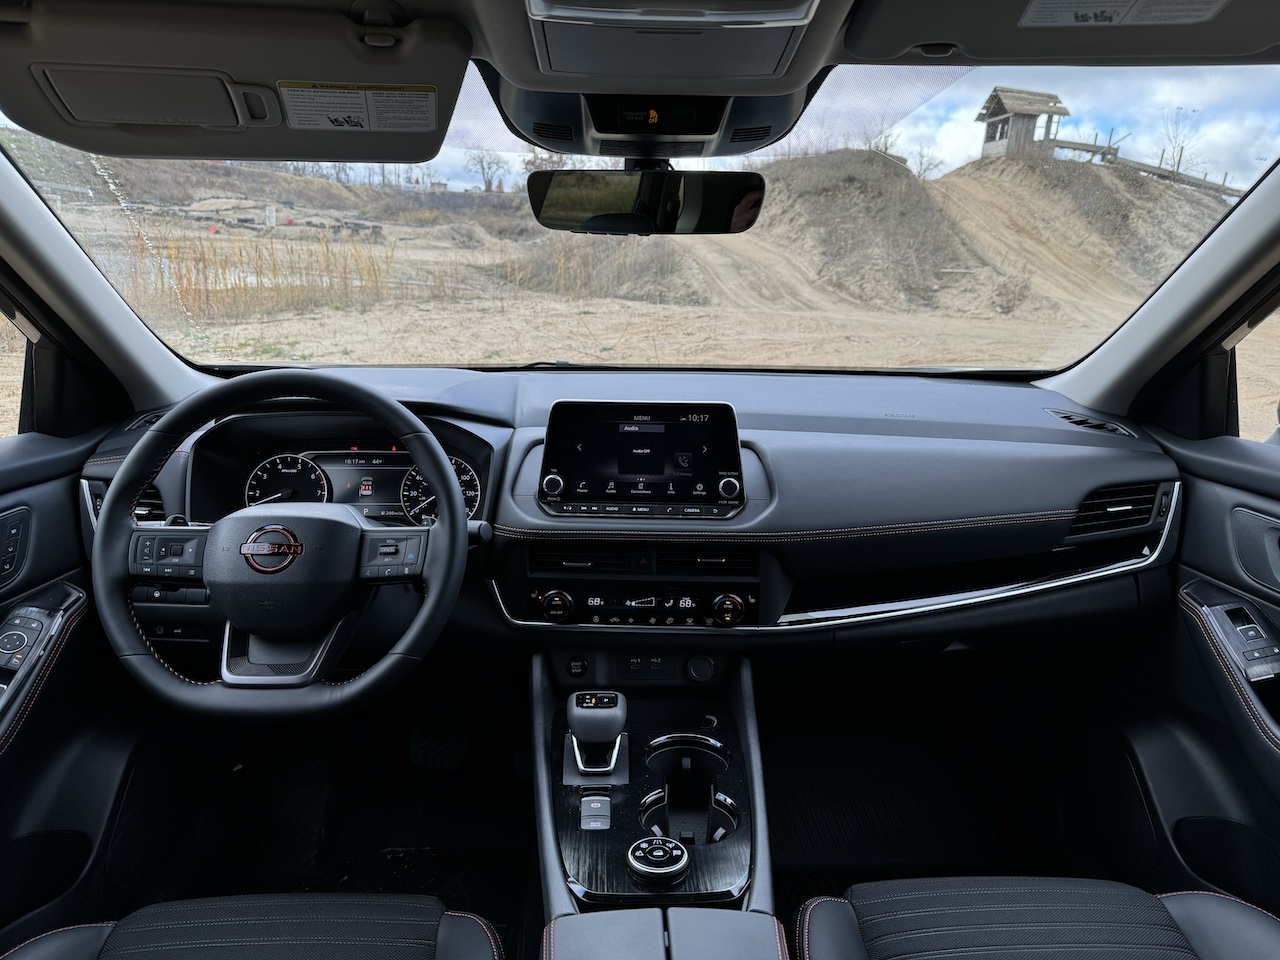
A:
823,619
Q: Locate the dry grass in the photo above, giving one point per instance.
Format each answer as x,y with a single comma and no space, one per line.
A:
215,277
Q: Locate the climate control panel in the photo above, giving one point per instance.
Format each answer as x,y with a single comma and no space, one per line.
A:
618,603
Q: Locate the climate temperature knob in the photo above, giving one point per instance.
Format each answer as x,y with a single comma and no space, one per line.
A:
552,483
730,488
556,606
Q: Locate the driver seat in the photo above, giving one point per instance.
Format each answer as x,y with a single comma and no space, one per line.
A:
317,926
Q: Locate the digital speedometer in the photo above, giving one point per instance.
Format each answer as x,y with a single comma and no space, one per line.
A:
419,501
286,478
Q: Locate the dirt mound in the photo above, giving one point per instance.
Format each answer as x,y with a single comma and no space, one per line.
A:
869,228
1054,241
1105,216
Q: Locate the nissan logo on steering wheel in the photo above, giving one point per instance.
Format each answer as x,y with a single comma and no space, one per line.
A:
271,549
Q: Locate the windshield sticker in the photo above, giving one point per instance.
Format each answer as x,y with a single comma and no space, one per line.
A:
361,107
1119,13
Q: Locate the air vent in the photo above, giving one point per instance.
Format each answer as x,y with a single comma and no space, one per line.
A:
705,561
553,131
651,148
750,134
146,420
1115,508
149,507
583,558
1091,423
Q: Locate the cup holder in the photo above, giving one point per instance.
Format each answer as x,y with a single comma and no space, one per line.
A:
688,807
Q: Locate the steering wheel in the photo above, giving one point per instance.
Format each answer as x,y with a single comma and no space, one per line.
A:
288,578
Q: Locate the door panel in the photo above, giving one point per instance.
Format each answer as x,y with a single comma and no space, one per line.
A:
1222,663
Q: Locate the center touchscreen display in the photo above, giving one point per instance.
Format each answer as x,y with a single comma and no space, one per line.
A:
665,460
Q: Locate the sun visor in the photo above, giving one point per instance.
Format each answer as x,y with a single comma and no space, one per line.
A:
179,80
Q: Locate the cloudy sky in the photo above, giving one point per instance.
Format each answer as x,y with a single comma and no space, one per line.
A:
1232,112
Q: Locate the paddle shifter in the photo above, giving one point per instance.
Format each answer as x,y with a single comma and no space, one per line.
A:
596,720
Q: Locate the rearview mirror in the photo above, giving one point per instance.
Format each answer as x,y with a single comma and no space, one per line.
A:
645,201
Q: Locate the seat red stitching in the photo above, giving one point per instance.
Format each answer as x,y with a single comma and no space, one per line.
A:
1208,893
778,937
74,926
493,944
804,923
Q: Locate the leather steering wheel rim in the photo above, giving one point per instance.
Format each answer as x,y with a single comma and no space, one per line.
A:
444,558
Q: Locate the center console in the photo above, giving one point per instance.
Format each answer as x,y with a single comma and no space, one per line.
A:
650,795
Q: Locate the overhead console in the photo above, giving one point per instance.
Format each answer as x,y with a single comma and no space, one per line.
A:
714,38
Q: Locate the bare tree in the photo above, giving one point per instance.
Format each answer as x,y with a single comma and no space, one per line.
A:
487,165
880,136
539,158
924,162
1181,142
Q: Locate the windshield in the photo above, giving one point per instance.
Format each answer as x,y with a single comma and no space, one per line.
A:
924,216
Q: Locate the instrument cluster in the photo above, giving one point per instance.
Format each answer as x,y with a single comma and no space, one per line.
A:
384,484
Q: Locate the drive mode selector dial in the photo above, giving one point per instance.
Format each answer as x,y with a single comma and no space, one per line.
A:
658,860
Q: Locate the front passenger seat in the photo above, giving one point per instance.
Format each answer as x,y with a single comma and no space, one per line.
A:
316,926
1029,918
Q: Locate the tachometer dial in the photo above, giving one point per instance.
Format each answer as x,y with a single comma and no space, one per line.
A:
286,478
419,501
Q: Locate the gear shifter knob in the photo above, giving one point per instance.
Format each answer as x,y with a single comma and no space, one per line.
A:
596,721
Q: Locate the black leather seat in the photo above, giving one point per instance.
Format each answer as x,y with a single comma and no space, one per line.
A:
277,927
1021,918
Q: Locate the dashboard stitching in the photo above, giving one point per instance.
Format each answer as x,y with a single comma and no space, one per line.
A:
784,536
29,702
1253,714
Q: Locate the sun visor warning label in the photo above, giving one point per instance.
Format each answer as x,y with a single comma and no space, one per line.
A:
379,107
1119,13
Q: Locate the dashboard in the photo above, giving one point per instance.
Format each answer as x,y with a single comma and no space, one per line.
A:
724,507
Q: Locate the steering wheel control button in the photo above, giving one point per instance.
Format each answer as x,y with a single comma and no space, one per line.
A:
391,556
727,609
658,860
12,641
557,606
